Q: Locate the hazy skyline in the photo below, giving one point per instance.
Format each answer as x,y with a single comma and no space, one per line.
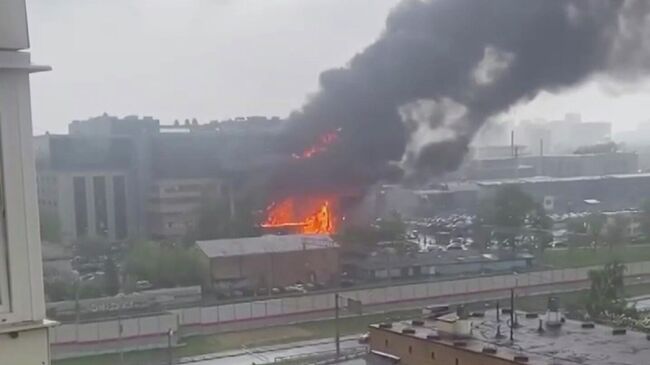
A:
216,59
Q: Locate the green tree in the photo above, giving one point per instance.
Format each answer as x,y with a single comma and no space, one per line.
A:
391,228
595,223
50,227
222,218
58,289
606,294
91,247
164,265
111,278
507,212
645,218
540,225
616,231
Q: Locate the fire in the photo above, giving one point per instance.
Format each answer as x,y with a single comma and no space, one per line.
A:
323,143
318,220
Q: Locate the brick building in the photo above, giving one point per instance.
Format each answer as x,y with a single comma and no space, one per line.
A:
269,261
479,339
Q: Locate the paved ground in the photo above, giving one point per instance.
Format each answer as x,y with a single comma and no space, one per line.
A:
269,354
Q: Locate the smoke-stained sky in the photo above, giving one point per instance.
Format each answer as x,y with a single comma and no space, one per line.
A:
224,58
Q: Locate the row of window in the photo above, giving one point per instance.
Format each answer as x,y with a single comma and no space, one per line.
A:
99,188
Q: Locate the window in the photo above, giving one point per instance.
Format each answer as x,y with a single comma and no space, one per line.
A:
385,343
433,355
456,361
101,208
80,207
410,349
119,196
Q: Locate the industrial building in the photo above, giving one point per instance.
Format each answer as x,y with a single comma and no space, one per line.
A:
269,261
483,338
565,165
578,194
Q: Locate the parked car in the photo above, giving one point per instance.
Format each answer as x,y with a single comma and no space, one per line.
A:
143,285
364,338
297,288
455,246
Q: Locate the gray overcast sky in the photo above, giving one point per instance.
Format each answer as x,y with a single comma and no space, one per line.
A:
215,59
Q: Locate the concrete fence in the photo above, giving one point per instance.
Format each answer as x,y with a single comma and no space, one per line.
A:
147,332
190,320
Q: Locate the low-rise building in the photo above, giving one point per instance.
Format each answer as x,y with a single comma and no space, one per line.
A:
481,338
439,263
269,261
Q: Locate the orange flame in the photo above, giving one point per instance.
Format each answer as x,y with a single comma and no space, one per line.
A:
323,143
285,215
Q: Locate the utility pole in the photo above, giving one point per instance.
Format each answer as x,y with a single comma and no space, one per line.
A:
77,308
512,314
170,358
337,335
119,333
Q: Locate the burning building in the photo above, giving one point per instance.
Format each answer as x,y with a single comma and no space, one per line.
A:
411,102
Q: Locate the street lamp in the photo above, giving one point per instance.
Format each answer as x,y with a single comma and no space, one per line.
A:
170,333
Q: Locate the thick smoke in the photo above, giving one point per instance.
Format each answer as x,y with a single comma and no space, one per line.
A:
415,98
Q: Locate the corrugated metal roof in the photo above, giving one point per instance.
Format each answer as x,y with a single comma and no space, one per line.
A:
264,244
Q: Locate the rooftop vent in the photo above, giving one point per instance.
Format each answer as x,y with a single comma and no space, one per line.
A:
408,331
588,325
619,331
521,358
477,314
385,325
417,322
489,350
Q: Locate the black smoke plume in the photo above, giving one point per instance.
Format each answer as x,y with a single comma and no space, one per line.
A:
412,101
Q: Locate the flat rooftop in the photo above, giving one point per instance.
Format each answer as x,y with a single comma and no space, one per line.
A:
264,244
547,179
568,345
